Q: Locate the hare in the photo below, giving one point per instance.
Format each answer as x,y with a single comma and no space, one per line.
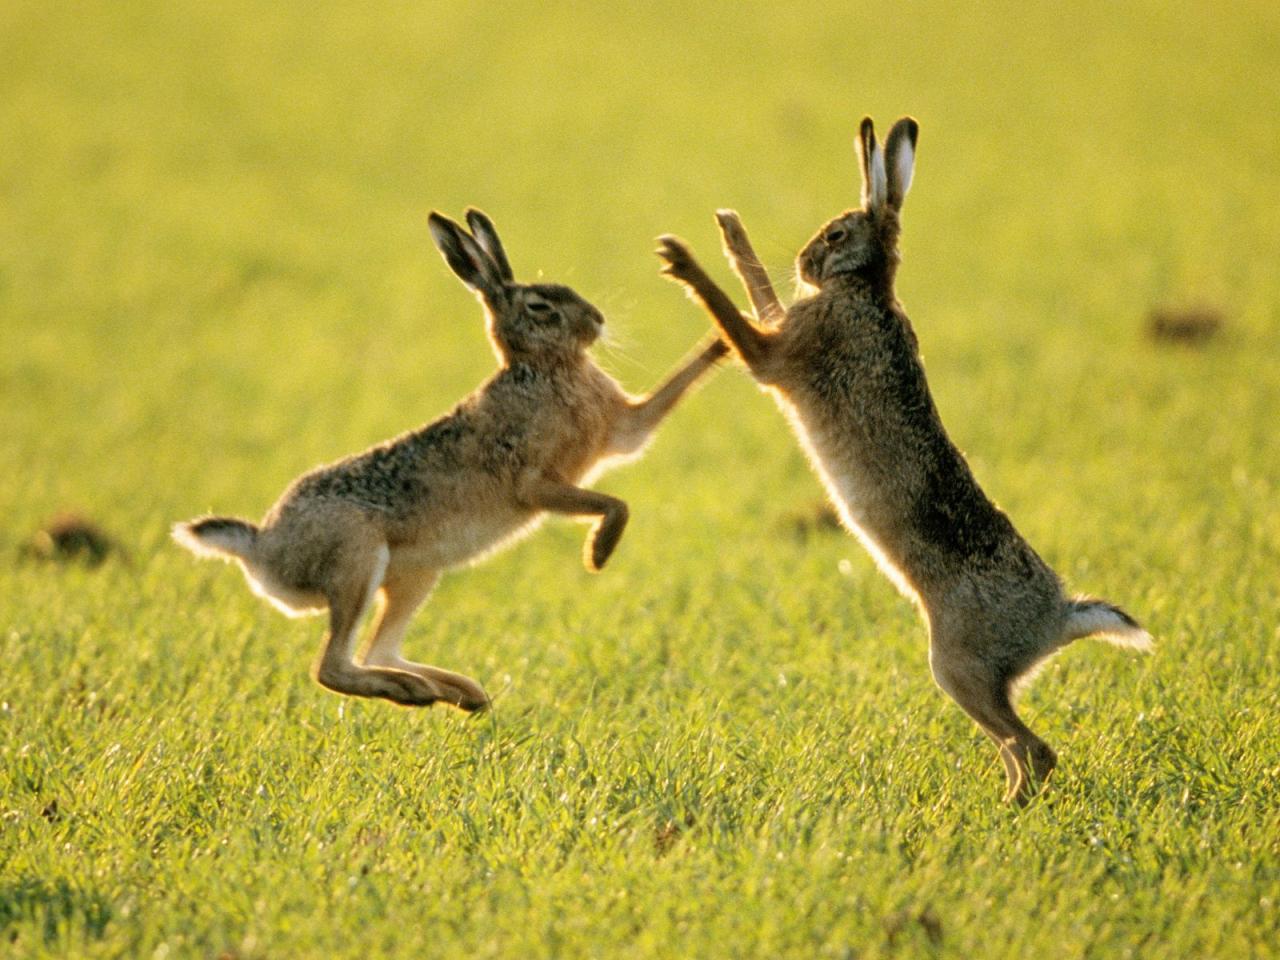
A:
385,523
844,366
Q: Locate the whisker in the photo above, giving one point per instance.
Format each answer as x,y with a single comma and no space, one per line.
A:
617,345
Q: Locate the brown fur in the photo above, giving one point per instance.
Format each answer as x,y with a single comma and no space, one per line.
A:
844,365
386,522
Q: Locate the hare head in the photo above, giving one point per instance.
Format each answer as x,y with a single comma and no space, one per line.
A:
865,241
525,322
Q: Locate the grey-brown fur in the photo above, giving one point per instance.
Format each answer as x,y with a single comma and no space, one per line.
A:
845,367
386,522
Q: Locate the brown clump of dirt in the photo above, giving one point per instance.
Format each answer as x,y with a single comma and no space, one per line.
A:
71,538
1186,326
820,517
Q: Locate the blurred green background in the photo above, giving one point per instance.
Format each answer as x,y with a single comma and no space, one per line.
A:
215,273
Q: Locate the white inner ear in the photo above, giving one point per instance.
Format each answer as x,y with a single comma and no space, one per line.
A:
485,270
904,165
879,179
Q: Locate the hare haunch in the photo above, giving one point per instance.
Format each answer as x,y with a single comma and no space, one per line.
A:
386,522
844,366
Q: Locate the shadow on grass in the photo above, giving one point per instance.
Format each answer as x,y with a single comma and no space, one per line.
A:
52,907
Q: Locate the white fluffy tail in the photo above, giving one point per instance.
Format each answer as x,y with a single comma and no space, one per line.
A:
1087,617
224,537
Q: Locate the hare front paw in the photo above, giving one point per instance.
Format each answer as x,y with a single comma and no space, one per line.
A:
678,262
604,538
716,350
732,232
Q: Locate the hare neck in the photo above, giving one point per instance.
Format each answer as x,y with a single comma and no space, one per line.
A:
875,284
547,365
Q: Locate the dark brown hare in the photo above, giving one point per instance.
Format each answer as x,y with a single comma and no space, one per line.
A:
844,366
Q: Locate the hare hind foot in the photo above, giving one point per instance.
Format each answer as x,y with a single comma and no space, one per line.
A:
459,691
453,689
1028,766
398,686
984,695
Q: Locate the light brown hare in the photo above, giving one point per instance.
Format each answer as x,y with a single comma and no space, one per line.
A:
385,523
844,366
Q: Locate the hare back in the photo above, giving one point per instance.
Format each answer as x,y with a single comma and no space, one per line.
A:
450,492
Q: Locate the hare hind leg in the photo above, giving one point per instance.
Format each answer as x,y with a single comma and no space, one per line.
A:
350,592
983,693
289,601
401,593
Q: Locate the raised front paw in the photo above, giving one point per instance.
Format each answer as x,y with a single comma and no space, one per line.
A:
733,233
604,538
678,262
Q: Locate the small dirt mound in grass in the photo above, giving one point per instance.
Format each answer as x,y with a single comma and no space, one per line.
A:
898,926
71,538
818,518
668,834
1191,326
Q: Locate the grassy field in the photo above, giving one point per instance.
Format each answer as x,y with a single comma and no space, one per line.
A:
215,273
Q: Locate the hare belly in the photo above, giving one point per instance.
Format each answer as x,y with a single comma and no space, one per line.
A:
844,490
831,463
459,540
837,467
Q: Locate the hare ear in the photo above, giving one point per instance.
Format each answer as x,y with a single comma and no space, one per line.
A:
486,235
874,189
866,144
900,148
465,257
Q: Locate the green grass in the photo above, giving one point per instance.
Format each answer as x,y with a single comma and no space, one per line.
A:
215,273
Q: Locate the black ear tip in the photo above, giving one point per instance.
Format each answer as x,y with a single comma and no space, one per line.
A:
867,130
912,128
444,232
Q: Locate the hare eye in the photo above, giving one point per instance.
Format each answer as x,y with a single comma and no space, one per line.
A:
537,306
835,235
